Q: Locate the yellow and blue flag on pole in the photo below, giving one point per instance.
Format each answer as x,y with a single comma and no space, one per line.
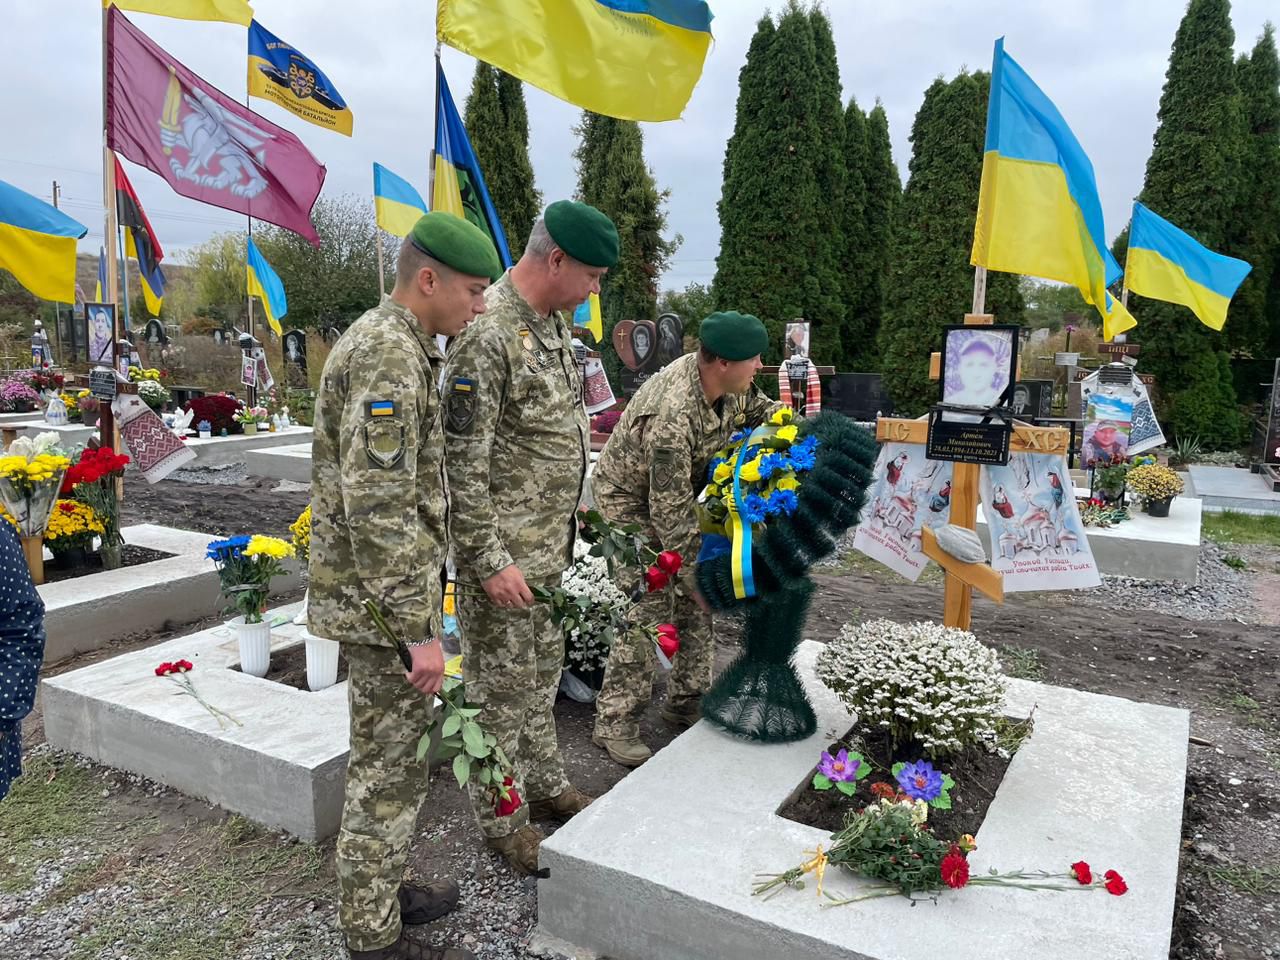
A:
587,316
102,275
279,73
1038,208
1164,263
459,186
38,244
396,204
631,59
264,283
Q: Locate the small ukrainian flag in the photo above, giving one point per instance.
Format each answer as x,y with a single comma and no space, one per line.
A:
381,408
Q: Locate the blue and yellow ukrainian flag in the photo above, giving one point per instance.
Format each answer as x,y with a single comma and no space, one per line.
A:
459,186
264,283
1038,209
396,204
632,59
102,275
279,73
1164,263
587,316
38,245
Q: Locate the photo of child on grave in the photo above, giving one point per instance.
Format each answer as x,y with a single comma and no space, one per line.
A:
910,493
797,344
1037,539
978,364
1106,431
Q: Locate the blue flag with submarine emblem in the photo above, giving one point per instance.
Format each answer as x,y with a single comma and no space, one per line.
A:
279,73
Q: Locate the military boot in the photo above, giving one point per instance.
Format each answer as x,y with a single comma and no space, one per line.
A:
420,905
561,807
407,949
520,848
628,753
683,714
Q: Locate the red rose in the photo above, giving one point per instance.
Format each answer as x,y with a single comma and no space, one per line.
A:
509,804
668,639
182,666
1115,884
655,579
955,870
164,669
1082,873
669,562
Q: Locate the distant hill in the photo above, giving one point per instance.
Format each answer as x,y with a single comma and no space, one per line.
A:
87,278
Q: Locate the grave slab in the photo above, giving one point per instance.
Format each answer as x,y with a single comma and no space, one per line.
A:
1151,548
86,613
233,449
1232,488
71,436
663,864
16,419
284,766
292,462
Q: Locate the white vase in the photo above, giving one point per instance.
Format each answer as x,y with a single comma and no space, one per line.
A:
300,618
322,662
255,646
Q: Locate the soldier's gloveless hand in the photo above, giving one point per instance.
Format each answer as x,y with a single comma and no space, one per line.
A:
428,667
507,588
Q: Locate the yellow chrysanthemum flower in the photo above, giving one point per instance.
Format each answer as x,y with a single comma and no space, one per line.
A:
272,547
782,415
788,433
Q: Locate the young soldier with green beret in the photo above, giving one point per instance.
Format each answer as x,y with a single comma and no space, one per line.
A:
378,533
516,453
650,473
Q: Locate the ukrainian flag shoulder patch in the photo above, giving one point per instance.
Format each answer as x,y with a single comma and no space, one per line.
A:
382,408
463,384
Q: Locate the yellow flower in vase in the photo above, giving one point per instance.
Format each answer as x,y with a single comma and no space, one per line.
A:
272,547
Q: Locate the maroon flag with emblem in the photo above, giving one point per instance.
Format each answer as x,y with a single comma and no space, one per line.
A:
207,146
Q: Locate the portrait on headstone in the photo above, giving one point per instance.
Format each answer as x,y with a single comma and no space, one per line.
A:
1106,431
154,333
295,348
670,339
797,343
100,322
978,364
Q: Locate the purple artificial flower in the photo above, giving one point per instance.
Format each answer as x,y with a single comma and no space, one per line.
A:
920,781
1071,328
839,769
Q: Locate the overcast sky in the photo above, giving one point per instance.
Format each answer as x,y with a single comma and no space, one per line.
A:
1102,63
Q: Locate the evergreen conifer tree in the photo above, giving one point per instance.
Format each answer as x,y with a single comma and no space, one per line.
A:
883,194
831,171
1193,179
857,258
613,177
931,279
497,125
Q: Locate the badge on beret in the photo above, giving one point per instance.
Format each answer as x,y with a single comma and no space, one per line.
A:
460,407
662,475
384,441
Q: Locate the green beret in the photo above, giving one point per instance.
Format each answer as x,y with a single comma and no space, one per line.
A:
583,232
734,336
457,243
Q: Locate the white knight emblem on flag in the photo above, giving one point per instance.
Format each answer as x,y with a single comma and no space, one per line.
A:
220,148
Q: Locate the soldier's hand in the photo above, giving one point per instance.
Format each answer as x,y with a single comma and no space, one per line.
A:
428,667
507,588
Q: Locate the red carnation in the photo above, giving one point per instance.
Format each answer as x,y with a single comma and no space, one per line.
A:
668,639
669,562
1115,884
182,666
656,579
955,870
164,669
882,791
509,804
1082,873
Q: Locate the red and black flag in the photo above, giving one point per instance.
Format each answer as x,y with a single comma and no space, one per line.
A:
140,240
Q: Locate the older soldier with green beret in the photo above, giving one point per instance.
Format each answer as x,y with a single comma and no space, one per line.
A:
378,533
516,444
650,473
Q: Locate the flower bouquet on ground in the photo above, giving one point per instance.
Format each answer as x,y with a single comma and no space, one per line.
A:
1157,486
89,407
30,476
246,566
592,615
92,481
71,532
178,672
251,418
16,396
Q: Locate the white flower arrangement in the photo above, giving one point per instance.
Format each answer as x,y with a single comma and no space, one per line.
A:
603,608
153,393
922,682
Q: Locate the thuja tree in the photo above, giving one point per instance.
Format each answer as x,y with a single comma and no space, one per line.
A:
1193,179
498,126
870,249
613,177
931,280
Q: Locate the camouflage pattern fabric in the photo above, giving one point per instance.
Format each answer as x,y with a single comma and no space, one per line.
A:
650,472
516,439
512,661
377,467
385,788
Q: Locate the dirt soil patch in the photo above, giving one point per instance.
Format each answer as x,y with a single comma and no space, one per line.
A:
289,667
130,556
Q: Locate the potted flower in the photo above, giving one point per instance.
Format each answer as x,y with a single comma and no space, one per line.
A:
1109,478
71,402
69,536
245,568
92,481
250,418
205,429
90,408
30,475
1157,486
153,394
16,396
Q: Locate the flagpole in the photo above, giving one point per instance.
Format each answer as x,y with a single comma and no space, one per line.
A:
431,173
109,437
979,291
253,390
124,286
377,233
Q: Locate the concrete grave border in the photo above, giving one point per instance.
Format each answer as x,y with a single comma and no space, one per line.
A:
235,448
292,462
662,865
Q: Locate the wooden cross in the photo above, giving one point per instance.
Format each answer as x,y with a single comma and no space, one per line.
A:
963,578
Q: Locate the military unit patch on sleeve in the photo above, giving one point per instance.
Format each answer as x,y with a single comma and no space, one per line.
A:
460,404
662,473
382,408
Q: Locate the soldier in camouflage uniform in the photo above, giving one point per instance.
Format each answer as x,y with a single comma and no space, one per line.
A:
517,441
378,533
651,472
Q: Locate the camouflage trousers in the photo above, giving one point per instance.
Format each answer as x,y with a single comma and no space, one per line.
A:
628,676
511,660
385,788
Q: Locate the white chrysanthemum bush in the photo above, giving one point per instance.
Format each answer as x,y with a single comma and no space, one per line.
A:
589,632
925,683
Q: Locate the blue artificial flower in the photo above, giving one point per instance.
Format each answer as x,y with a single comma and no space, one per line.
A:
771,463
920,781
754,508
227,549
803,454
784,502
737,436
711,469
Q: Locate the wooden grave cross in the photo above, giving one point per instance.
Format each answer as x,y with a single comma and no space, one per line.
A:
963,578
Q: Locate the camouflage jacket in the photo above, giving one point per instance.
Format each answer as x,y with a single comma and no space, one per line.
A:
377,485
516,439
655,463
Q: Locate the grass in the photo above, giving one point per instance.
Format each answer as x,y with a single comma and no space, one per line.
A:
1235,562
1256,881
51,801
1022,663
1231,526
